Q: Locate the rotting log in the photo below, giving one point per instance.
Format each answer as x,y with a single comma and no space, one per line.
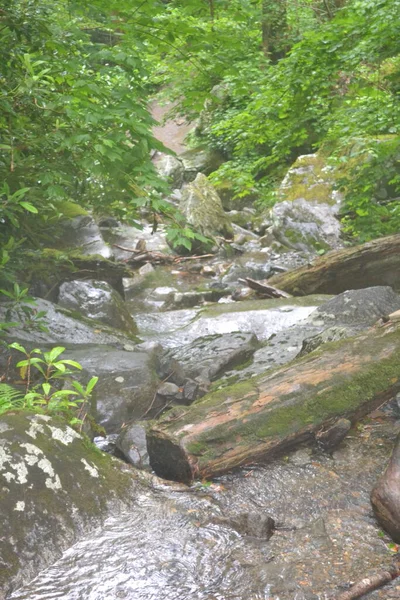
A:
258,419
373,263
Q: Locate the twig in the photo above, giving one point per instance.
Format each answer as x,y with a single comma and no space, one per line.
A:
154,397
372,583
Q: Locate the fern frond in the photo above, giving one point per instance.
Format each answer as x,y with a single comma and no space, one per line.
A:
10,398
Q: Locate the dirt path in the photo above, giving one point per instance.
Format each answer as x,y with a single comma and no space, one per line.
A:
172,134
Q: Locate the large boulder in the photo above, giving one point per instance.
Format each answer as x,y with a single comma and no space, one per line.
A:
306,226
169,167
126,386
62,327
55,486
83,234
385,496
200,160
202,208
312,179
97,300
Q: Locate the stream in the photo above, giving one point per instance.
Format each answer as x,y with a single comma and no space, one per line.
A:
184,543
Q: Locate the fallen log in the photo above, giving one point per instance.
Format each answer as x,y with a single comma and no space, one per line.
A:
260,418
373,263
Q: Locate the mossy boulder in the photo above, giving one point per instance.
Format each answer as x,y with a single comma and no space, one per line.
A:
54,487
81,233
312,179
202,208
307,226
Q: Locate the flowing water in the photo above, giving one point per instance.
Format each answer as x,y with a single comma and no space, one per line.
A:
181,543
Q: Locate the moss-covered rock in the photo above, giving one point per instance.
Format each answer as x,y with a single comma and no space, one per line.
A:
54,486
202,208
312,179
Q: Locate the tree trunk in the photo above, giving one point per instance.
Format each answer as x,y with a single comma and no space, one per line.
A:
373,263
254,420
273,28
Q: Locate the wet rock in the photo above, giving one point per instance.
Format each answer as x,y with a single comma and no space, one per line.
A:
108,222
208,356
332,334
306,226
97,300
126,387
202,208
330,437
169,393
200,160
170,168
132,443
55,487
254,524
63,328
358,308
385,496
82,233
128,237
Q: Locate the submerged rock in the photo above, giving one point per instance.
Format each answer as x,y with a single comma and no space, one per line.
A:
202,208
97,300
385,497
55,486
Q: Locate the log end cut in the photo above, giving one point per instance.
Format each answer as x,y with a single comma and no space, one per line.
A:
168,459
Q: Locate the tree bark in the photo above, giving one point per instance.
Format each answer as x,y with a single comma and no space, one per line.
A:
273,28
257,419
373,263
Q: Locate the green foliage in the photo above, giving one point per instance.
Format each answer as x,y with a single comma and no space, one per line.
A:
73,115
47,396
22,307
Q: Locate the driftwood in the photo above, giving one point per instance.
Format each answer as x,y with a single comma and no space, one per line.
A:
369,584
147,256
264,288
374,263
257,419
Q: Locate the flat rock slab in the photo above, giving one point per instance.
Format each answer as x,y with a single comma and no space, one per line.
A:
208,357
257,419
54,486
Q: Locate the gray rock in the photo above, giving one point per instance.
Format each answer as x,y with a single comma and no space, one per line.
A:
169,392
97,300
128,237
132,443
83,234
200,160
208,356
332,334
55,487
63,328
126,387
359,308
202,208
306,226
169,167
